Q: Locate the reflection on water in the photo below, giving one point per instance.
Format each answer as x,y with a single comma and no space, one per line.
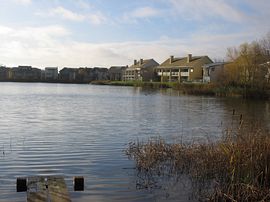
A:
56,129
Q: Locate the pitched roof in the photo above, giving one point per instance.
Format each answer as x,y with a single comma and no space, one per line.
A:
138,65
182,62
117,68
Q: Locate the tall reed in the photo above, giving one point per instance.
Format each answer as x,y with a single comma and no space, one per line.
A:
234,168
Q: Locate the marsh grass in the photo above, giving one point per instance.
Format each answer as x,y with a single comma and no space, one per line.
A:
234,168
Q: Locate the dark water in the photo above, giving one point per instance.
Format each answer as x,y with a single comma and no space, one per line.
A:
69,130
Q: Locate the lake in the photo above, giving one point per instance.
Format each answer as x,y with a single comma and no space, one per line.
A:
71,130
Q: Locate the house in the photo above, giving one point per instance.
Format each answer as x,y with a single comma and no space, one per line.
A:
182,69
100,73
25,73
142,70
116,73
51,74
5,73
212,72
68,75
85,75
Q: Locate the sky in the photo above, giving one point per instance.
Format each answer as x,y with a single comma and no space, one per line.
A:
104,33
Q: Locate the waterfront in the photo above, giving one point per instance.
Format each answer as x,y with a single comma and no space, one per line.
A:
57,129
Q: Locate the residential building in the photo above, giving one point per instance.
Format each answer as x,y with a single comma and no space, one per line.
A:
51,73
5,73
183,69
100,73
116,73
68,75
213,72
142,70
25,73
85,75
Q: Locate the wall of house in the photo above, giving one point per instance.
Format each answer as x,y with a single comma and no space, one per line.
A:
197,74
148,71
215,73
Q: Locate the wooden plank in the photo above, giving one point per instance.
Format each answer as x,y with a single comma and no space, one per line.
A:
51,189
58,190
36,189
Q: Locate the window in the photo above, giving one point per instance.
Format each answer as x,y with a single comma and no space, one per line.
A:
184,70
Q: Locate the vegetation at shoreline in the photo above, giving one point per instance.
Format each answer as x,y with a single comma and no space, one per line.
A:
210,89
234,168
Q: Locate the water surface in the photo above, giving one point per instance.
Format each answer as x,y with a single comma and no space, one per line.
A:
69,130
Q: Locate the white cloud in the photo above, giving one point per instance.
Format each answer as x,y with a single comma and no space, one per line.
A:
52,46
66,14
95,18
5,30
140,13
82,4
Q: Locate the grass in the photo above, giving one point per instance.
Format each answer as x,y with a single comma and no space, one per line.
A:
209,89
234,168
154,85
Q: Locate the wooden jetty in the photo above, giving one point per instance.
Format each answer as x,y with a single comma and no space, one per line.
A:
41,189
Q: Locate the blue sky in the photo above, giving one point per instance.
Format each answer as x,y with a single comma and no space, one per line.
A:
91,33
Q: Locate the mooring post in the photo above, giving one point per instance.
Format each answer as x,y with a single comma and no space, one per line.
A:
78,183
21,184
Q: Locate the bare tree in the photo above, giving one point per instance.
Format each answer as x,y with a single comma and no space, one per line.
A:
246,68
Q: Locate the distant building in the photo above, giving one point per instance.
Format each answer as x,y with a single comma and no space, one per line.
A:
212,72
100,73
183,69
5,73
51,73
85,75
142,70
116,73
68,75
25,73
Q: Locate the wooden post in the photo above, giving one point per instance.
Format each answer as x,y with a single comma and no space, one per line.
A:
21,185
78,183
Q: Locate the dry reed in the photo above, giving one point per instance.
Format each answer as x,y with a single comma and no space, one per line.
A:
235,168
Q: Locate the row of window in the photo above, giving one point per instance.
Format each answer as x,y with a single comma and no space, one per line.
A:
175,70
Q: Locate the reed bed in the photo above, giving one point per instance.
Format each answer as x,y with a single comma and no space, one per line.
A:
234,168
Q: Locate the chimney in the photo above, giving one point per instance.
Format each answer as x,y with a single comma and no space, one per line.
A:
135,62
171,59
268,52
189,57
141,61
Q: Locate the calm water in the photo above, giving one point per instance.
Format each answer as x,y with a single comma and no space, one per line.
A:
69,130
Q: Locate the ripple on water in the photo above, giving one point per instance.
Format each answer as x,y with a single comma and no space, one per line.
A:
56,129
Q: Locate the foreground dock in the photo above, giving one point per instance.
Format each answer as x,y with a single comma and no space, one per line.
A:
41,189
